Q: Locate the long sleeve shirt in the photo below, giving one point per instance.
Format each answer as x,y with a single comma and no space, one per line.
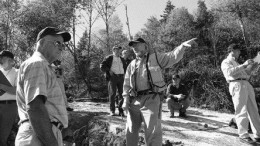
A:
232,70
136,75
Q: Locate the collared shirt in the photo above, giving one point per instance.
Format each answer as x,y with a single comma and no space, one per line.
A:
35,78
117,65
141,74
232,70
136,74
11,76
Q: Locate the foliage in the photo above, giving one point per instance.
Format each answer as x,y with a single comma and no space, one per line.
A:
167,11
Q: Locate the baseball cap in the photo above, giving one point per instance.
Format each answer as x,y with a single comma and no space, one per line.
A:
139,40
6,53
53,31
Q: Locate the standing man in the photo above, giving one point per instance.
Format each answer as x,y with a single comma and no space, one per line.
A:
114,67
177,97
41,105
8,107
242,93
143,87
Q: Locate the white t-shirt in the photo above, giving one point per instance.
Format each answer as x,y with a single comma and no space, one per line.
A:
11,75
117,65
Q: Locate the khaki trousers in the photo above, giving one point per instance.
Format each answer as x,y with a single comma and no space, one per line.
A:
147,109
243,97
27,137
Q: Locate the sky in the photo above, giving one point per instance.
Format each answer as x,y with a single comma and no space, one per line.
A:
140,10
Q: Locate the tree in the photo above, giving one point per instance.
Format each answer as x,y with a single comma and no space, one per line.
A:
177,29
167,11
117,37
106,9
151,32
247,14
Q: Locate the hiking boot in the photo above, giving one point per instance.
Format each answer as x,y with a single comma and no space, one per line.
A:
121,114
247,140
183,115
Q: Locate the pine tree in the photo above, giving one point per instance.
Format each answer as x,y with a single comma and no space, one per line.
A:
167,11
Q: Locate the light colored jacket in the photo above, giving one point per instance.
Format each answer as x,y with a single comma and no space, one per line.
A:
166,60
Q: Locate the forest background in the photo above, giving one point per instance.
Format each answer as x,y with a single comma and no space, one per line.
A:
228,21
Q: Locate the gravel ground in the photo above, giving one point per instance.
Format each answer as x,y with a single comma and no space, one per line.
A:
201,127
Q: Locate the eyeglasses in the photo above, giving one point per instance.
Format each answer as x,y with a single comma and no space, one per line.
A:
61,46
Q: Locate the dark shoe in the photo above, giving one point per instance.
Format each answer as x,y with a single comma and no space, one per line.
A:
247,140
257,140
112,114
69,109
183,115
232,123
121,114
172,115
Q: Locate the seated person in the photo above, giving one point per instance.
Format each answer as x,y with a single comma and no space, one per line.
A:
177,97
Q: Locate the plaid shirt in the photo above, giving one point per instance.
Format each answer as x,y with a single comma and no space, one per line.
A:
35,78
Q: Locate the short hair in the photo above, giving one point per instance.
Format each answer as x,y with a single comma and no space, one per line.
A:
233,47
116,47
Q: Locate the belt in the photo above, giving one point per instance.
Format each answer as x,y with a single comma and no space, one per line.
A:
145,92
7,101
57,124
238,79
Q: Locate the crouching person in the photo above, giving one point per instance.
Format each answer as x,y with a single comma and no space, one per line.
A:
177,97
41,105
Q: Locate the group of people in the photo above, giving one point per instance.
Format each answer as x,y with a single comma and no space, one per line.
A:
37,93
140,84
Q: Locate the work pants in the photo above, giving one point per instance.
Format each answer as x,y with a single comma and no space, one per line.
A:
8,114
243,97
180,105
147,109
115,84
27,137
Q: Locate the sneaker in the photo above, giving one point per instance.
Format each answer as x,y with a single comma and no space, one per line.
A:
247,140
172,115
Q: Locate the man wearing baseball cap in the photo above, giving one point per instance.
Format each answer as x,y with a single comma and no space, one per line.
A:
114,67
41,105
143,90
8,107
243,95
